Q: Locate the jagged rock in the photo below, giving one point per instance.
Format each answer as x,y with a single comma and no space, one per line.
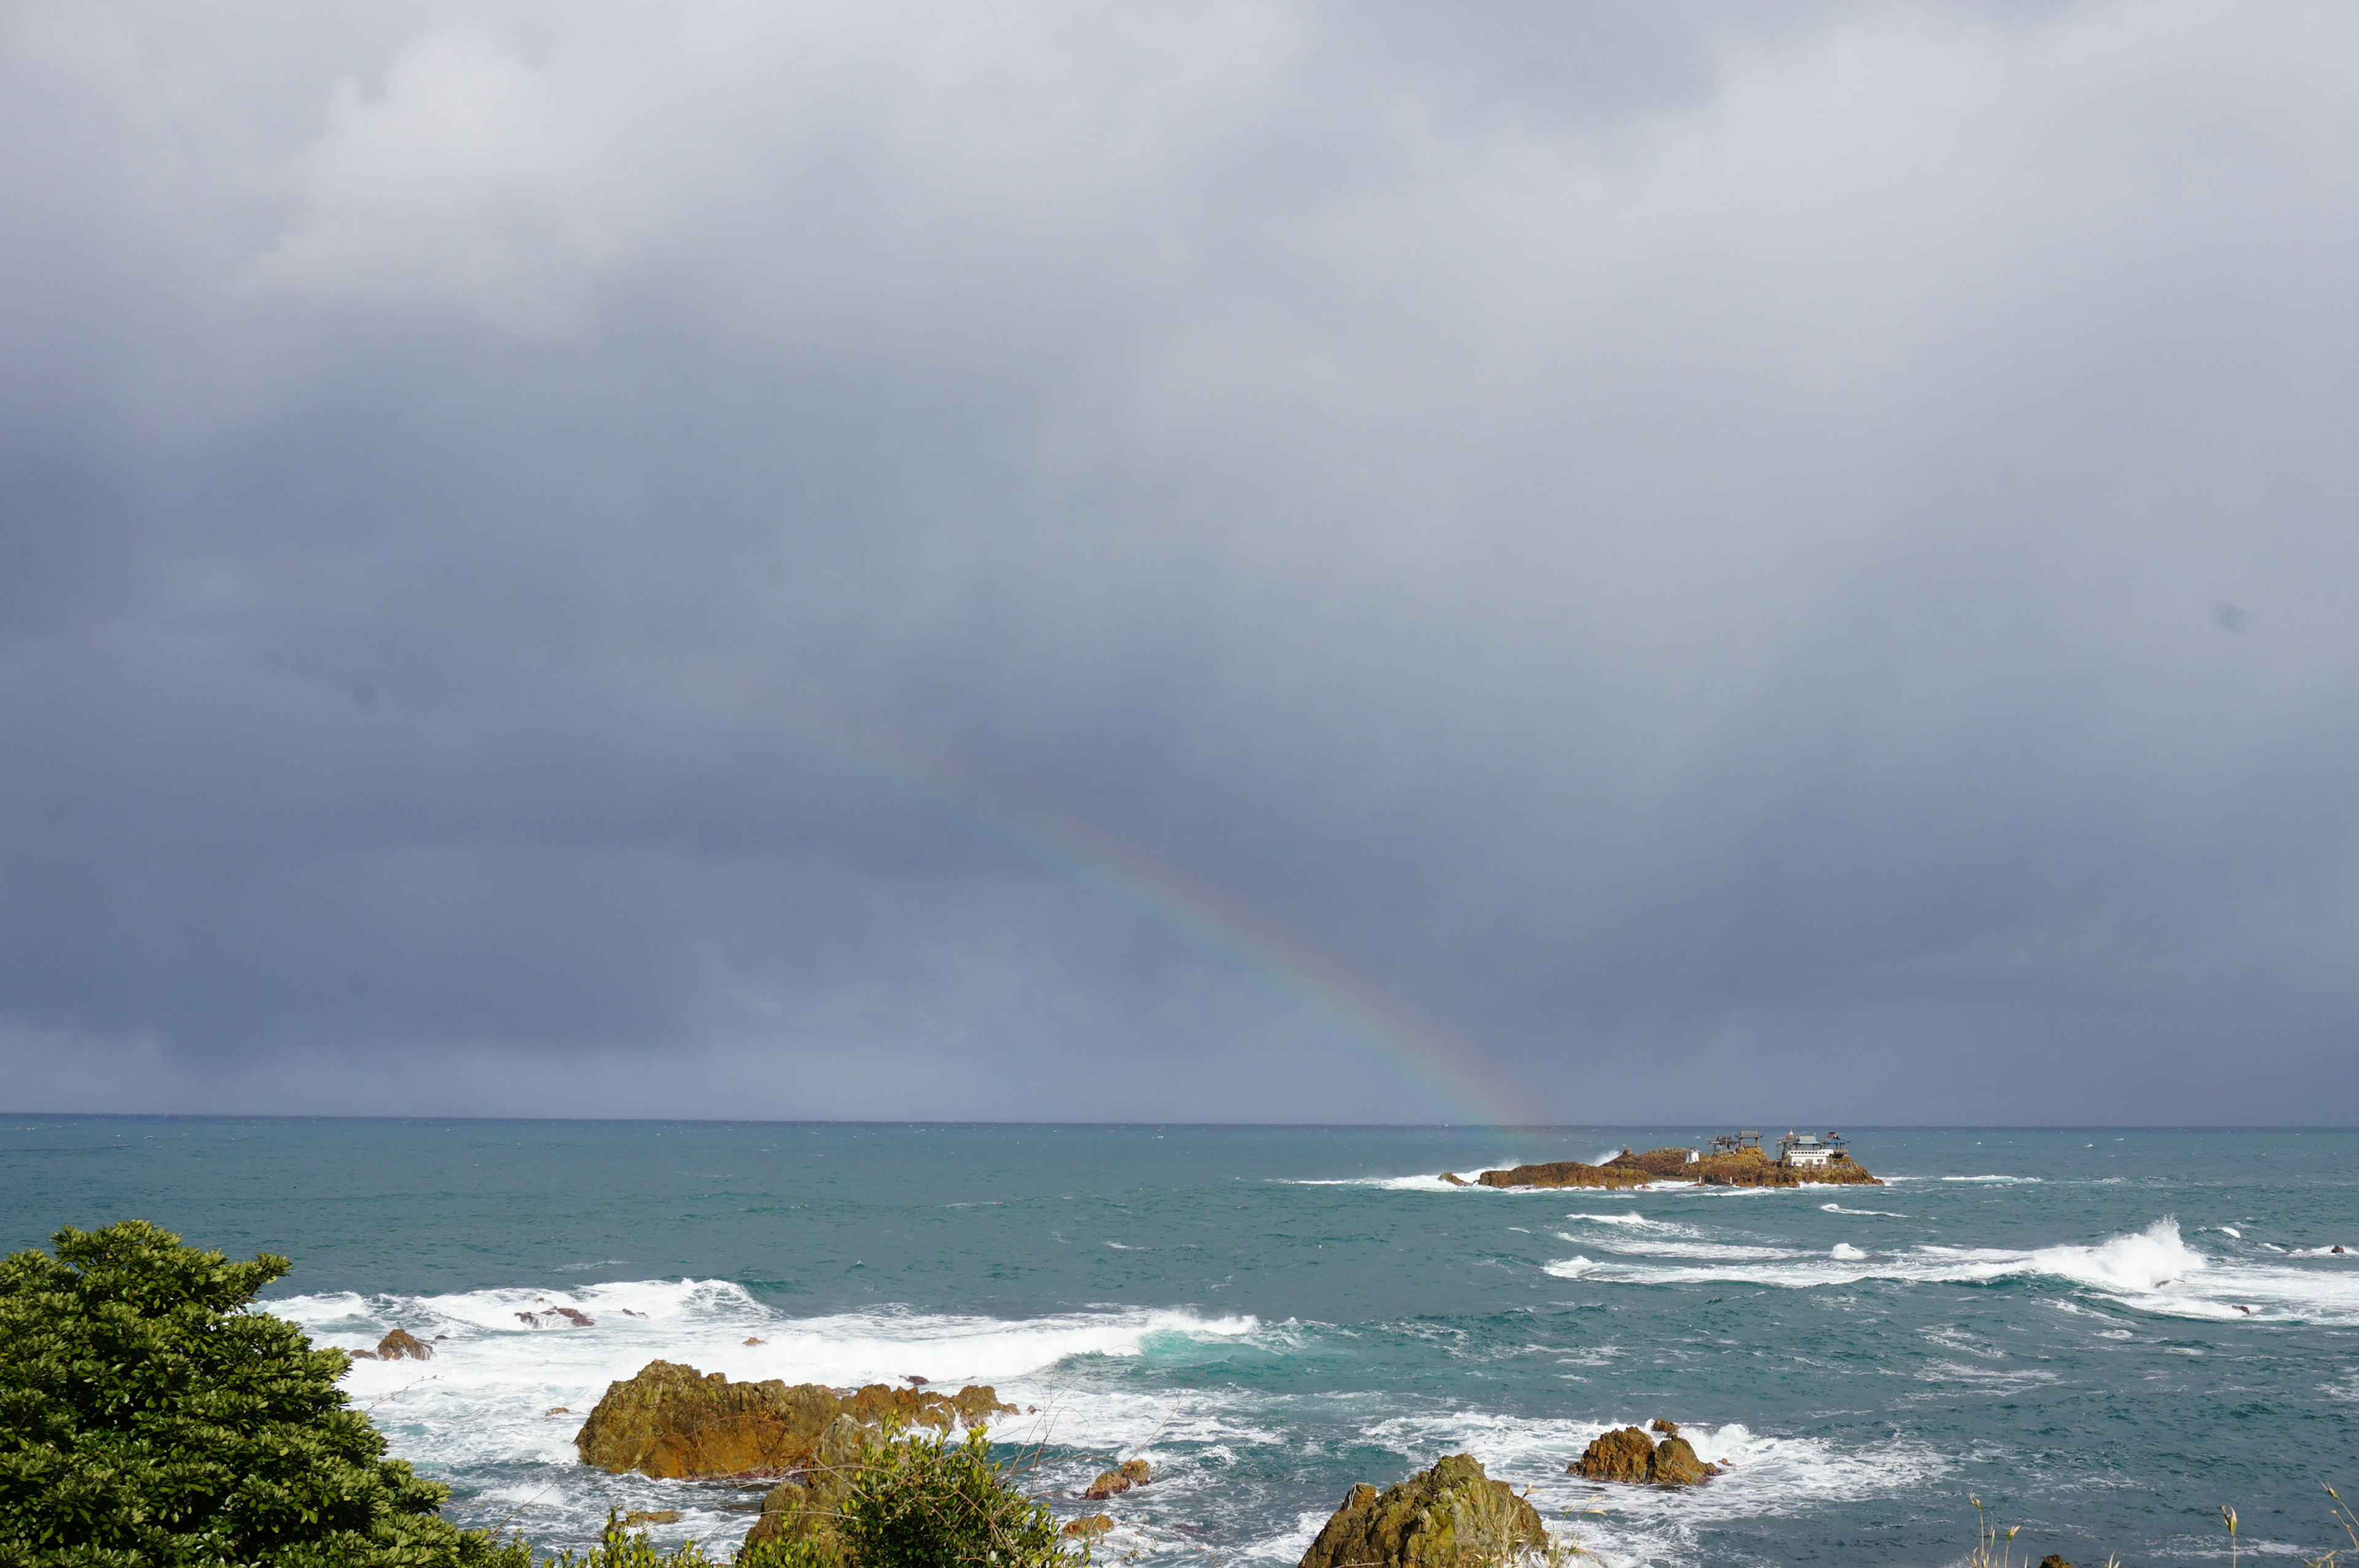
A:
805,1507
1114,1482
1455,1180
749,1340
1667,1428
914,1381
530,1320
1565,1174
651,1516
1442,1518
578,1319
1630,1456
362,1355
1745,1168
555,1409
2054,1559
401,1342
674,1423
1089,1527
1626,1454
1677,1464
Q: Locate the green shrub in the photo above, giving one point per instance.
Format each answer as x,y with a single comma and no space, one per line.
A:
928,1503
149,1417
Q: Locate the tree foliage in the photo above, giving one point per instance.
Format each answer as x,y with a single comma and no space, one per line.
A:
928,1502
150,1416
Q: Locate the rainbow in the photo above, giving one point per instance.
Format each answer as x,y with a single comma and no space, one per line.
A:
1382,1029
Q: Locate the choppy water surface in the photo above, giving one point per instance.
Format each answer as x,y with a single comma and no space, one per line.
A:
2106,1334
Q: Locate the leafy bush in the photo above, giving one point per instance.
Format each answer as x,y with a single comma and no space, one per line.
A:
150,1417
928,1503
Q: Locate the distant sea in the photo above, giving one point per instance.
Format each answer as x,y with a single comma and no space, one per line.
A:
2106,1334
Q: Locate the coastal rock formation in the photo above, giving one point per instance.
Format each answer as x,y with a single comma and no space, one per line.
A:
650,1516
1442,1518
1089,1527
401,1342
1630,1456
1565,1174
1114,1482
1745,1168
805,1506
674,1423
1455,1180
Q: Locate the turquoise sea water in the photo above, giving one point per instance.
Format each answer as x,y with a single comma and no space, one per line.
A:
2106,1334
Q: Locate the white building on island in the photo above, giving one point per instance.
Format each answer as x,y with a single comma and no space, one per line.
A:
1810,1149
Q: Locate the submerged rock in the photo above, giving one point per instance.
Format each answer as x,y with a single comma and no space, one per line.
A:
401,1342
1114,1483
1630,1456
1089,1527
675,1422
651,1516
1443,1518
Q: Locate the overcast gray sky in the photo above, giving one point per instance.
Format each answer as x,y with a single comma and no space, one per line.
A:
1230,561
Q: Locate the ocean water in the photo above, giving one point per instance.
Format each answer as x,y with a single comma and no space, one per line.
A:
2106,1334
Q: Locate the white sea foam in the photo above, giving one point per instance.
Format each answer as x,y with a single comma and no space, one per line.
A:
2152,1270
1877,1213
500,1390
1766,1476
1649,1247
1847,1251
2232,1230
2029,1179
1639,1222
1430,1182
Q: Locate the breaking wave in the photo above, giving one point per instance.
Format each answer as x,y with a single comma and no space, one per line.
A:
2152,1270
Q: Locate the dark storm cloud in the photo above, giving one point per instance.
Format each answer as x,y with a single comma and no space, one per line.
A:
568,561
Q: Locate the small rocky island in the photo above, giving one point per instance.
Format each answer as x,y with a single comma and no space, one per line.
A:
1736,1160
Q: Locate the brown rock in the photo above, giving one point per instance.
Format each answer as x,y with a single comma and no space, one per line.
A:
1089,1527
1565,1174
578,1319
1120,1479
1667,1428
554,1409
673,1423
1626,1454
1447,1516
752,1341
1455,1180
2054,1559
362,1355
651,1516
401,1342
805,1507
1677,1464
1629,1456
914,1381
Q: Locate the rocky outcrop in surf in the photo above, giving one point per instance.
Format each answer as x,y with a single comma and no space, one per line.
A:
1114,1483
805,1506
397,1345
1442,1518
675,1422
1630,1456
1745,1168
